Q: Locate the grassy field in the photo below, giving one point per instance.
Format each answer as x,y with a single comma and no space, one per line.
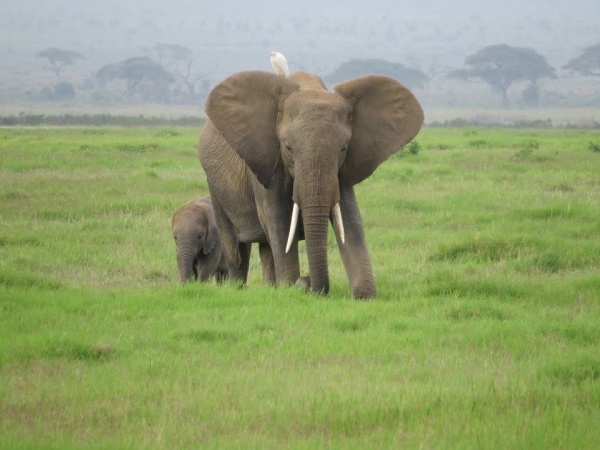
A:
485,334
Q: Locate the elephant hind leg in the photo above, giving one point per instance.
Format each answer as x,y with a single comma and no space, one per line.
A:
238,266
268,263
238,262
220,276
237,254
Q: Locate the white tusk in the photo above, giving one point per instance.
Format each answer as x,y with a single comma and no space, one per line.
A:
295,213
339,223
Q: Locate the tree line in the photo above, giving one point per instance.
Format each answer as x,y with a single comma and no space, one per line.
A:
149,76
500,66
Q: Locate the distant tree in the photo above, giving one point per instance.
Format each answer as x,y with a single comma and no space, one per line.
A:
57,59
171,54
190,80
588,63
431,66
411,78
133,72
502,65
174,57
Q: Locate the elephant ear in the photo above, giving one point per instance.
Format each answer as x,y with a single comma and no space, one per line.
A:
244,109
206,217
212,236
386,116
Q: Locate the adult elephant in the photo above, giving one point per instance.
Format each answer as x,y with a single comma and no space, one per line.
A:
274,146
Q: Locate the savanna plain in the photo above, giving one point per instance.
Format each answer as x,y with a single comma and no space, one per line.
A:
485,244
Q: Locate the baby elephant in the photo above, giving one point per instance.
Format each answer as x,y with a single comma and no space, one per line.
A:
199,250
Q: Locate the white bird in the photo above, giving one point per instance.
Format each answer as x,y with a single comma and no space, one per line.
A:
280,64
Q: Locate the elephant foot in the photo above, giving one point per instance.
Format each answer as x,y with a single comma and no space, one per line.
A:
303,282
364,292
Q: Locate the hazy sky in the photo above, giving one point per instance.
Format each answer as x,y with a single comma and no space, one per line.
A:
233,8
316,35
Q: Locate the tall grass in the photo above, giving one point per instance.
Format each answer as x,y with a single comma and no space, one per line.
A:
485,332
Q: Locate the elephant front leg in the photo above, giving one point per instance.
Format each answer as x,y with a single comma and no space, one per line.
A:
275,215
203,273
208,264
354,252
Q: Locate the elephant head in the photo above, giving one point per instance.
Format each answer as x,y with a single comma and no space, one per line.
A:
327,141
195,234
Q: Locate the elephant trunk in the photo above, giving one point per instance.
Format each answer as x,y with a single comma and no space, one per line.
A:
316,190
185,263
316,222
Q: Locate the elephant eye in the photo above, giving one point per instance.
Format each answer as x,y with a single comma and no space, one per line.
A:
288,148
344,148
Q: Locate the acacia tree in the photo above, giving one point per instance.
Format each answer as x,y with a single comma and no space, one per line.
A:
171,54
173,57
588,63
57,59
502,65
431,66
133,72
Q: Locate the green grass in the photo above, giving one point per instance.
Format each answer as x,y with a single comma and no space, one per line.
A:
485,332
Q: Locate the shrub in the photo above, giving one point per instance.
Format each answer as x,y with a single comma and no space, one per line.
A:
64,90
594,147
479,143
527,149
410,149
414,147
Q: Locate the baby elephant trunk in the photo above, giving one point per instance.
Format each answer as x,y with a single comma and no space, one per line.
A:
185,263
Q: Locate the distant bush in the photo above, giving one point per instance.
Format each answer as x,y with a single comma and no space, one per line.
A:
527,149
518,124
139,148
414,147
46,94
594,147
167,133
479,143
29,120
64,90
411,149
538,123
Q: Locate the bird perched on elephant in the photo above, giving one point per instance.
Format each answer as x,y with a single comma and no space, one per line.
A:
199,252
277,146
279,64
